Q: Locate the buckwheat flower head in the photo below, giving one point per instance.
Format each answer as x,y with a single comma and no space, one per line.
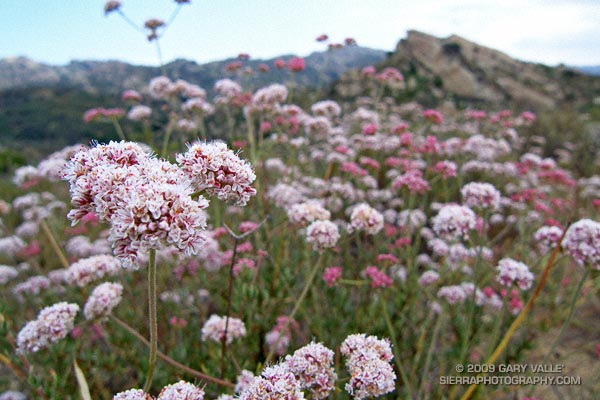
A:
454,221
480,195
155,216
227,88
369,365
103,299
366,218
275,383
307,212
326,108
277,341
11,245
428,277
12,395
510,271
453,294
139,112
96,175
214,329
582,242
322,234
219,171
92,269
547,237
52,324
160,87
181,391
312,367
7,273
270,95
32,286
132,394
244,380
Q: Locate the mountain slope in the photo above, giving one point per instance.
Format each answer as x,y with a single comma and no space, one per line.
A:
455,68
322,68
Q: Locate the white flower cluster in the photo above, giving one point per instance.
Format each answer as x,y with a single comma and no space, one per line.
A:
275,383
454,221
326,108
312,366
52,324
270,95
366,218
91,269
510,271
369,365
181,391
103,299
214,168
480,195
307,212
146,201
582,241
322,234
214,329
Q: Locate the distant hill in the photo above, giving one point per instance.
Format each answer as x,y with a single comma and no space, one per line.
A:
454,68
589,69
322,68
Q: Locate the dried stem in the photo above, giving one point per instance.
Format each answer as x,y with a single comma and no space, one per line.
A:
168,359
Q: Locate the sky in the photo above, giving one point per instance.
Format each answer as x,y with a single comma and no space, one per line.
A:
58,31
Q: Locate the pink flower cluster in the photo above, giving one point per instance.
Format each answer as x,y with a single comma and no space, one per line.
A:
454,221
582,242
480,195
177,391
378,278
52,324
511,271
146,201
312,367
322,234
214,329
214,168
275,383
366,218
307,212
103,299
368,360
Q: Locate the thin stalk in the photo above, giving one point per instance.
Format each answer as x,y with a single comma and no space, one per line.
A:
436,330
152,318
118,128
521,317
59,253
570,316
228,313
392,333
168,359
307,286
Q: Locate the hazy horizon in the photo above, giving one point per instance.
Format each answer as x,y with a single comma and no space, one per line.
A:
551,32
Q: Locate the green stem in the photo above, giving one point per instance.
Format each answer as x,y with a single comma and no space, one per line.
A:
152,318
392,333
570,316
436,330
118,128
229,297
